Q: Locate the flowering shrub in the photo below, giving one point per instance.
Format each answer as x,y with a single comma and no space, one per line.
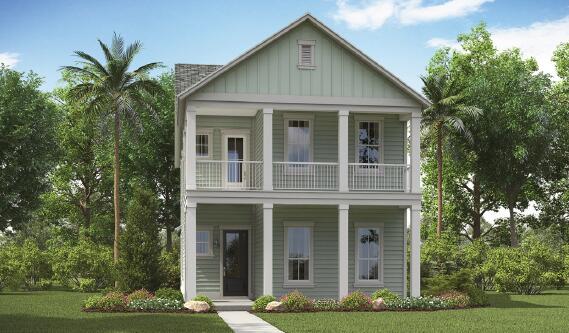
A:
418,303
155,304
110,301
356,301
296,302
384,293
138,295
261,303
169,293
455,299
326,305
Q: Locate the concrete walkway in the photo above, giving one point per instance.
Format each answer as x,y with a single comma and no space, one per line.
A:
244,322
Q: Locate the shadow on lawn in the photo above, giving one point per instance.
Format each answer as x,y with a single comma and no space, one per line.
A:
504,301
105,323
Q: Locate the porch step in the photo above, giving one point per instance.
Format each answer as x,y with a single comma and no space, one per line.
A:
233,304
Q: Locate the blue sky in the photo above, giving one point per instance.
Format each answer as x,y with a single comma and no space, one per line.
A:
401,35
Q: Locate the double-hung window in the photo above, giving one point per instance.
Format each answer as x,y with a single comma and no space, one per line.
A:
203,144
203,243
369,254
298,250
369,148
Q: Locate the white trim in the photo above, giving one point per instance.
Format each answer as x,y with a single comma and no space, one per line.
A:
343,150
190,284
267,149
405,220
369,283
249,263
268,249
307,17
300,283
312,45
415,128
343,250
209,133
415,278
190,156
209,230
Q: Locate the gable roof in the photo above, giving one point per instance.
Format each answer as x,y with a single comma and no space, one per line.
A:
186,75
194,86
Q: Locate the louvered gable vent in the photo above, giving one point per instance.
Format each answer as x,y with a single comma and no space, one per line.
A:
306,54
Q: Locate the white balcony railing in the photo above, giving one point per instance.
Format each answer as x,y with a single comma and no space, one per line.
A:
239,175
378,177
312,176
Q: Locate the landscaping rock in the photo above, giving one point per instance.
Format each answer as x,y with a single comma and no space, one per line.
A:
378,305
197,306
275,306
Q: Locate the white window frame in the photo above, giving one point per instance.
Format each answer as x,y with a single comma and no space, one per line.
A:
209,253
209,133
235,133
368,283
370,119
299,283
301,117
312,44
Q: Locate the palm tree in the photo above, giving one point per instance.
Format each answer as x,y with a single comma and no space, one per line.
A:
445,114
111,90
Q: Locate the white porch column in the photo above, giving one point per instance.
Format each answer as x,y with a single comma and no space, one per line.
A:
343,213
191,147
268,149
343,150
190,248
415,128
415,282
268,249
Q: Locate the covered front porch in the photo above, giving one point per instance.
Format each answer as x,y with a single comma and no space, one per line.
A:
243,251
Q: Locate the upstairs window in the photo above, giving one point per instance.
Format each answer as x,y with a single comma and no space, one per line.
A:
368,142
306,54
298,140
203,144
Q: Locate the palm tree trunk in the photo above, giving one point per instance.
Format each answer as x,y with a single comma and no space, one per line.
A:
116,188
476,217
440,178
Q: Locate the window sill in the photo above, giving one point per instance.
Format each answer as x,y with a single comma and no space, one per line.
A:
306,67
205,256
368,284
298,285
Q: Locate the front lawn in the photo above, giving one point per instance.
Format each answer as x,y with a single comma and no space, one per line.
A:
60,311
507,313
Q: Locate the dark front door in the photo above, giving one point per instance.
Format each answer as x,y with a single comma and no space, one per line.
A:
235,263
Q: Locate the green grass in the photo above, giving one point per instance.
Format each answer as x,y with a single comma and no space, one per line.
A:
60,311
508,313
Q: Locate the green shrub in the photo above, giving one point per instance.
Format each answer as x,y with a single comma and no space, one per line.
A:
527,269
461,281
170,268
356,301
110,301
474,256
45,284
206,299
455,299
139,263
326,305
169,293
384,293
138,295
87,285
72,264
23,266
156,304
439,255
295,301
418,303
261,302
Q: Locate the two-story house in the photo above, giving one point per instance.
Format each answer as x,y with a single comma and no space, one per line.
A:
300,170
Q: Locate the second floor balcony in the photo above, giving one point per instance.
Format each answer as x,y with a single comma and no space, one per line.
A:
302,152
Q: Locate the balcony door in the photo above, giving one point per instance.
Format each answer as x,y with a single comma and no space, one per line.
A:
236,155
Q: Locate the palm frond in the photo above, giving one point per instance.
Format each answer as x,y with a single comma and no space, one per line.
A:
144,69
117,45
108,54
131,51
91,61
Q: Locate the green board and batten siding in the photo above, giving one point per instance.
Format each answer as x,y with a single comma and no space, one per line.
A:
273,70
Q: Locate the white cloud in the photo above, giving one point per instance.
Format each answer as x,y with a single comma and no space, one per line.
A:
537,40
9,59
412,12
373,14
441,42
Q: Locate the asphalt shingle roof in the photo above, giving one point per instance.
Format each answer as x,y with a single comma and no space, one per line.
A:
186,75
